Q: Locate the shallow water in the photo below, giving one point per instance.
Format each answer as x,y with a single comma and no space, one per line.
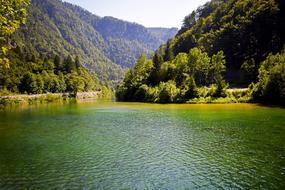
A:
142,146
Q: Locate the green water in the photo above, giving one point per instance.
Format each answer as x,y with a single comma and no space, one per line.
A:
142,146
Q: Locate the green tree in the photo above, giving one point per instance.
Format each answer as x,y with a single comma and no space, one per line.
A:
199,64
69,64
189,90
32,84
168,92
271,85
141,71
48,65
77,64
217,68
39,85
74,84
250,68
167,71
142,93
121,92
221,87
189,20
134,78
57,64
12,14
182,67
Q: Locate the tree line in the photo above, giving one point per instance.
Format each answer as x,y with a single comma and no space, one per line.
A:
174,81
24,69
224,43
195,76
33,74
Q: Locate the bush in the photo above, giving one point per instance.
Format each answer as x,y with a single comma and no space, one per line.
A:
221,88
271,85
121,91
190,89
168,92
5,92
31,83
141,93
274,88
202,92
106,93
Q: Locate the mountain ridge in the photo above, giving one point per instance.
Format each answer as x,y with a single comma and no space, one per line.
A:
105,44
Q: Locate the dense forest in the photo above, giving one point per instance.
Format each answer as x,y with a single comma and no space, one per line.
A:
225,43
30,74
58,45
105,45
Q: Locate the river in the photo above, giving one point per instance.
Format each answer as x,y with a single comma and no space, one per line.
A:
112,145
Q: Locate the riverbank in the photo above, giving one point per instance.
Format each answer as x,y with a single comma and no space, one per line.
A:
203,95
231,96
22,99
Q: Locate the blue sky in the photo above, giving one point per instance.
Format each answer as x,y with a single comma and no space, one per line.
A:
150,13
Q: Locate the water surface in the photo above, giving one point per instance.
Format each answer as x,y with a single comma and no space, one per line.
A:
142,146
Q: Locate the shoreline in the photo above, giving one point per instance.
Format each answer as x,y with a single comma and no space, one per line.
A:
34,99
80,95
22,99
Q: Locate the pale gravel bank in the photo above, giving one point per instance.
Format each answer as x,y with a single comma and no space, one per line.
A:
80,95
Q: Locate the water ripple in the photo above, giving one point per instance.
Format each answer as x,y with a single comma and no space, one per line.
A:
132,147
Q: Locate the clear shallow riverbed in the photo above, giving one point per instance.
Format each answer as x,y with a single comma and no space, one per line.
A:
142,146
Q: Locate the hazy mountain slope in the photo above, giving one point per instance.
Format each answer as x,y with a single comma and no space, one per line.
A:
163,33
104,45
54,29
124,41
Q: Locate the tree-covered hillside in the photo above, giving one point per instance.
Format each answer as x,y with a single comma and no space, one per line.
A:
30,74
56,30
124,41
53,29
224,43
246,30
25,70
105,45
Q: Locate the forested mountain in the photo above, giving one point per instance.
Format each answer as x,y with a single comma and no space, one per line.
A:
105,45
58,38
223,43
245,30
38,61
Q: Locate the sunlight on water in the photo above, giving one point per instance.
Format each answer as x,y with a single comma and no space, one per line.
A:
142,146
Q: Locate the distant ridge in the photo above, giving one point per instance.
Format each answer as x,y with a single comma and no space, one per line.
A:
105,45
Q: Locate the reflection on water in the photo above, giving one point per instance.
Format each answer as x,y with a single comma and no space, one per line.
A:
142,146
